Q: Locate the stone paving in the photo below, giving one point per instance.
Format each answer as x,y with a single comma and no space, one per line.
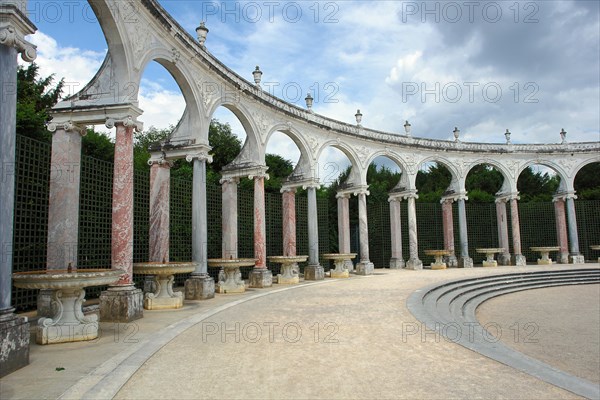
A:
346,338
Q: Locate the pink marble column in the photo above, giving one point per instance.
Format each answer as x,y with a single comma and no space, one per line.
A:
229,215
160,187
122,204
448,228
516,232
501,218
343,208
260,276
289,221
561,230
260,244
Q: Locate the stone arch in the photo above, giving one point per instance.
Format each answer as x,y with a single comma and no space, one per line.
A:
509,185
565,185
404,181
356,171
583,164
304,168
458,181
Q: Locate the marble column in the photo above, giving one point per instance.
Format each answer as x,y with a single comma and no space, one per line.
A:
343,210
397,261
260,277
63,205
561,230
575,257
122,302
158,238
313,271
14,330
199,286
465,261
229,217
502,222
413,245
519,259
365,266
289,221
448,228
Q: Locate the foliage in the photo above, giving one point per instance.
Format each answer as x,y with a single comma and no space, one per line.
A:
587,182
98,145
35,97
537,186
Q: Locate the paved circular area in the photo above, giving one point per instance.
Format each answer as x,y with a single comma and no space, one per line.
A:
560,326
347,339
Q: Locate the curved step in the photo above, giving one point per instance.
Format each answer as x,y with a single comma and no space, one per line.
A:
449,309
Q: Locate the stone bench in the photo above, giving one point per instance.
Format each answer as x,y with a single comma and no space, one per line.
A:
545,252
489,253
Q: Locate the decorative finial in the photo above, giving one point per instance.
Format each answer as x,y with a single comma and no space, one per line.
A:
309,102
456,132
563,136
202,31
257,74
407,128
507,136
358,116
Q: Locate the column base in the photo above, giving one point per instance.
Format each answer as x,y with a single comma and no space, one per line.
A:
44,304
364,268
199,287
397,263
577,259
519,260
451,261
314,273
504,259
562,258
14,342
261,278
465,262
414,264
121,304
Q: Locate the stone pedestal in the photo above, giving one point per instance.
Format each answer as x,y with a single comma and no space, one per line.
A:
199,287
149,284
314,273
465,262
519,260
164,297
14,342
504,258
396,263
414,264
340,270
578,259
44,304
290,274
121,304
261,278
364,268
451,261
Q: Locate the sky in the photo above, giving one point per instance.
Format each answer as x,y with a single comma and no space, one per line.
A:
532,67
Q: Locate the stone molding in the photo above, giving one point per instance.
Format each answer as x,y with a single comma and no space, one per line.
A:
128,122
564,196
68,126
159,159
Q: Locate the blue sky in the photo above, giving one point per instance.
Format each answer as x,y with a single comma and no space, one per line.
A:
529,66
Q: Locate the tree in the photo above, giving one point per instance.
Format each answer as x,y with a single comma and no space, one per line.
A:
35,97
98,145
537,186
587,182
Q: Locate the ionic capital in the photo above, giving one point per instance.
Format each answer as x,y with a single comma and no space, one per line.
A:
200,156
230,180
159,159
564,196
342,195
14,26
127,122
67,126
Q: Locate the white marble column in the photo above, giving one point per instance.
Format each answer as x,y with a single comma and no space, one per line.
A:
561,229
343,210
465,261
413,262
14,330
519,258
260,277
502,222
575,257
229,216
397,261
313,271
365,266
63,204
200,286
448,228
160,193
